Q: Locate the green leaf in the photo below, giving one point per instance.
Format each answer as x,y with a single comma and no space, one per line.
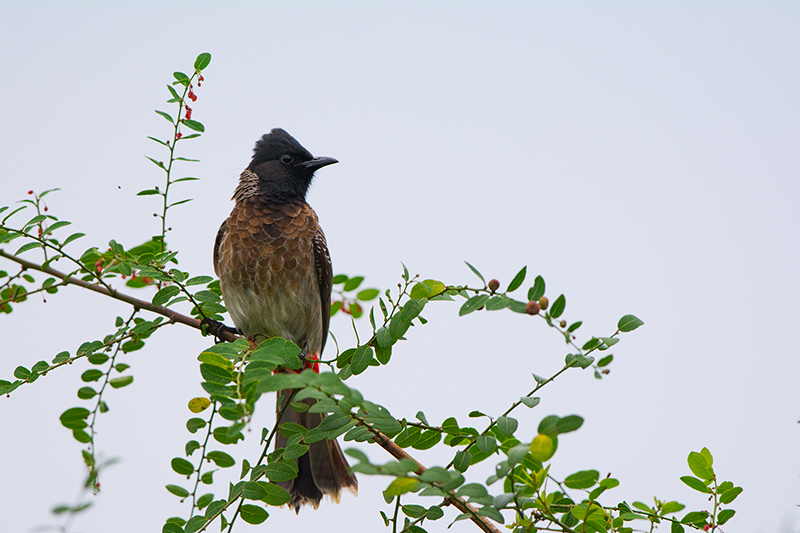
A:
412,309
275,495
413,511
61,357
179,202
451,426
473,304
164,295
159,141
548,425
86,393
428,439
697,518
475,270
400,486
26,247
408,437
435,474
178,491
92,374
281,471
507,425
352,283
71,238
518,279
191,447
193,125
427,288
725,515
383,354
707,455
182,466
361,359
568,423
498,302
253,514
530,401
628,323
558,306
201,63
120,382
491,512
221,459
367,294
699,466
198,280
582,480
472,490
56,225
486,443
667,508
195,424
166,116
696,484
729,495
75,418
252,490
204,500
35,220
537,291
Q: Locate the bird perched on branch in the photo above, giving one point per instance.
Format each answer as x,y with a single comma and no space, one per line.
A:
275,273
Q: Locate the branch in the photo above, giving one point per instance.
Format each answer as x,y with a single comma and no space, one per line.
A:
173,316
399,453
381,439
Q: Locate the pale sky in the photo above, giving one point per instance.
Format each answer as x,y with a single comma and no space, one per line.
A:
641,157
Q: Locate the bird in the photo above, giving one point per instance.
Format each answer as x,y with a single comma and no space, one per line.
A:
275,273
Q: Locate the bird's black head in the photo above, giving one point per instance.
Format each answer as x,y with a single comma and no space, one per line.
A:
284,168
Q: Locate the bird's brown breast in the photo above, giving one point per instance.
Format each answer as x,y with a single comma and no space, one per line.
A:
267,271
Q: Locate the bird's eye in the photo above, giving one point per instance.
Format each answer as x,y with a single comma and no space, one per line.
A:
287,159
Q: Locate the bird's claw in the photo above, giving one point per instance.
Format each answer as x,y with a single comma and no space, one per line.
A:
303,355
215,328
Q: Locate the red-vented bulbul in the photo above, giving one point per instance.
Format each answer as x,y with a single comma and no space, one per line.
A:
275,273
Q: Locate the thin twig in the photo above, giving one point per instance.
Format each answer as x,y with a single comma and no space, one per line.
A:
174,316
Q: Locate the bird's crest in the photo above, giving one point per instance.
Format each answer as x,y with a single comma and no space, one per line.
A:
276,143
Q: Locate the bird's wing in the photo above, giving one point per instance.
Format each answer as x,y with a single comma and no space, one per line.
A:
220,234
322,261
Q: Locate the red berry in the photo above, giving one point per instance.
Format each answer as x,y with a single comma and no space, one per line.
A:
179,135
30,192
532,307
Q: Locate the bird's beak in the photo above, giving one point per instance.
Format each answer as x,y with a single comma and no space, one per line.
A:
317,163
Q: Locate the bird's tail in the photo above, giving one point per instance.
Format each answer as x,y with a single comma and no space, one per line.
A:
323,469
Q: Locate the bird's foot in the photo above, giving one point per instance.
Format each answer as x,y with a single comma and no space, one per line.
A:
309,360
215,328
303,355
